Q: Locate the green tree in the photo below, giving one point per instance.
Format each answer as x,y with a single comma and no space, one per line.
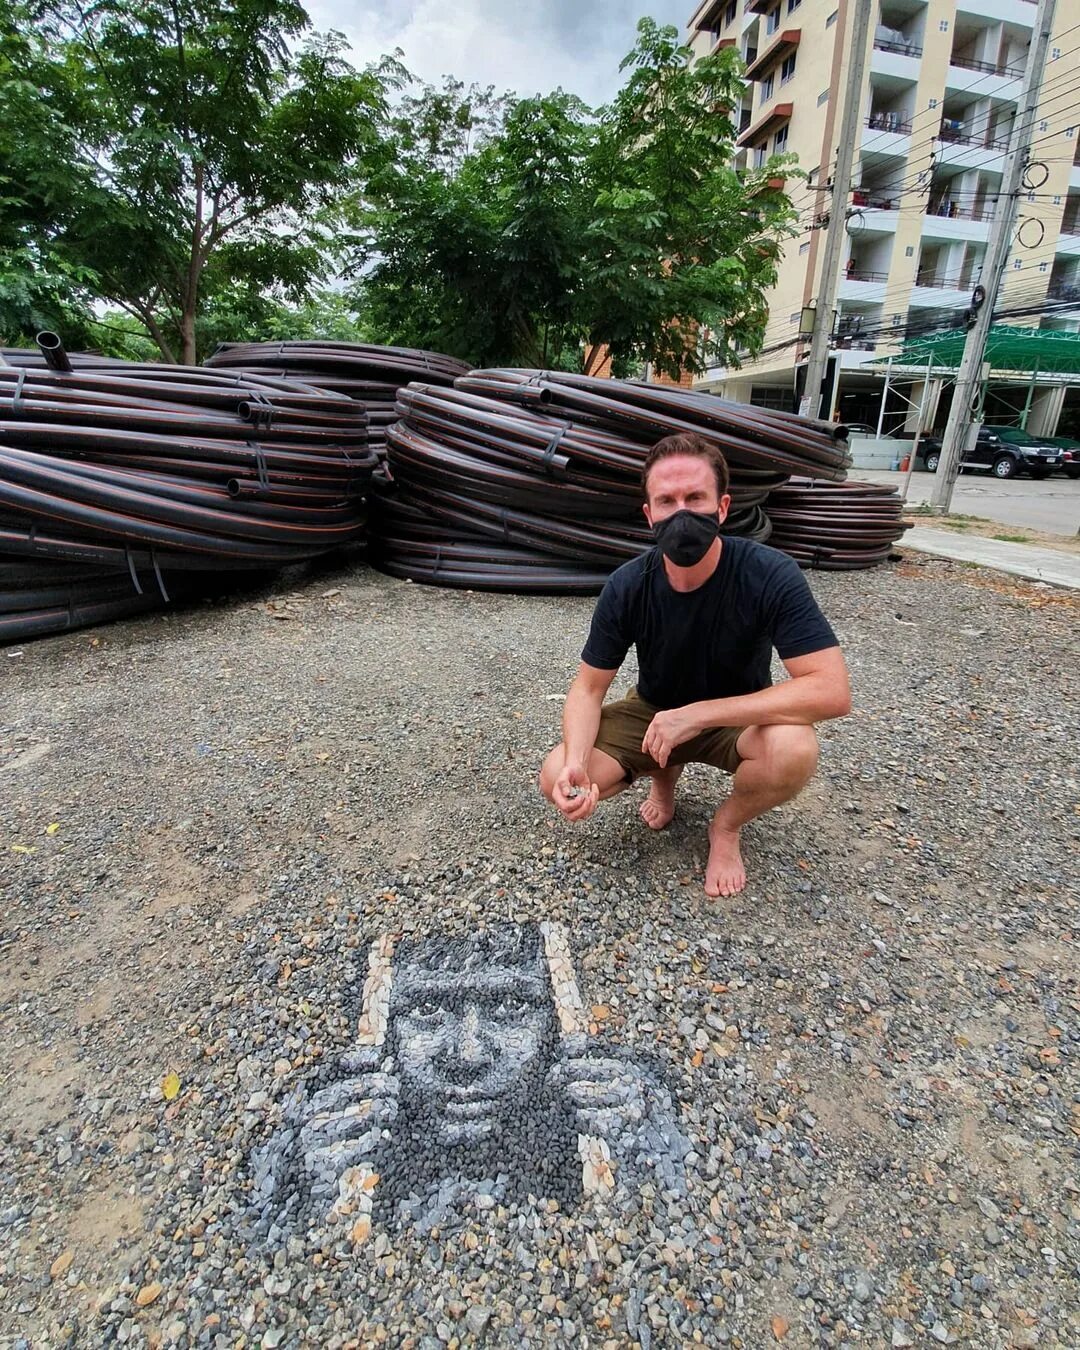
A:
559,228
681,246
210,143
39,286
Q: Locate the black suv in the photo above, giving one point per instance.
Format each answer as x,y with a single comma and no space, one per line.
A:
1002,451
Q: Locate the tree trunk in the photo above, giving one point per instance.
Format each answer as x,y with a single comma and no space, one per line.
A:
155,331
190,297
187,336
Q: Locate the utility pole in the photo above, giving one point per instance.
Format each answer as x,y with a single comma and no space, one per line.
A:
850,127
968,395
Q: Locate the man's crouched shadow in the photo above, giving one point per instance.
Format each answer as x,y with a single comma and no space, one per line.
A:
474,1084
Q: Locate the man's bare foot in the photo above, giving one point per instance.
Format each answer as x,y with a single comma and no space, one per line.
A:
659,806
724,872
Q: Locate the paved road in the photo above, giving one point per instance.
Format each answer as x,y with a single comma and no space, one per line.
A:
1052,505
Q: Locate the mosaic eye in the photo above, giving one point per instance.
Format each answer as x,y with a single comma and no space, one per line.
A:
510,1009
427,1010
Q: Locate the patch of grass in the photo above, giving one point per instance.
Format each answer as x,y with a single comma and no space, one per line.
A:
1013,538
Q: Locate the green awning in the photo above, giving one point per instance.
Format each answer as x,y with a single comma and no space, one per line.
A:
1018,350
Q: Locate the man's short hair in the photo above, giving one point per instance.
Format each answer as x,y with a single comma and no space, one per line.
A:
687,443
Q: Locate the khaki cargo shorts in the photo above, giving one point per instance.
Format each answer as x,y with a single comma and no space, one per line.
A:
623,725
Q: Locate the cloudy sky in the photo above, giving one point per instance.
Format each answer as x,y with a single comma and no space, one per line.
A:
528,48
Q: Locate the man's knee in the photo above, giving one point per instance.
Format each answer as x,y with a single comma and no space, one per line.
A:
790,754
549,772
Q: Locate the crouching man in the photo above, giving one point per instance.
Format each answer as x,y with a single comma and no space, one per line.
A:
704,613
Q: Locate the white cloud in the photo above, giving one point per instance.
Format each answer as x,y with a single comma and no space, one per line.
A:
525,48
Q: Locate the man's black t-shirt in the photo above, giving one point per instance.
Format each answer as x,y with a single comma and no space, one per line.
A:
714,642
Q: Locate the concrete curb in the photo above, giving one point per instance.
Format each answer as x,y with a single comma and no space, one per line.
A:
1021,560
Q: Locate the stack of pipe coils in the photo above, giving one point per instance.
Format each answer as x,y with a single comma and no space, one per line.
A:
372,375
529,481
124,485
836,527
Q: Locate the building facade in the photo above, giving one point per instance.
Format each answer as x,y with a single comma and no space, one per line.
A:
943,81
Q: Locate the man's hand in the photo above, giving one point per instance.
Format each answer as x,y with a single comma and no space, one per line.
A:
575,795
667,730
343,1124
606,1095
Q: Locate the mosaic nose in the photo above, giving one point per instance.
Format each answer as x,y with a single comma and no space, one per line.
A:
469,1042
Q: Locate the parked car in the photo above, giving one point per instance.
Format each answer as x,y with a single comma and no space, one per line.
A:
1070,455
1036,455
930,449
1002,451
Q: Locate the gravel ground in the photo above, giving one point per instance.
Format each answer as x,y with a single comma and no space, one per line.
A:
208,818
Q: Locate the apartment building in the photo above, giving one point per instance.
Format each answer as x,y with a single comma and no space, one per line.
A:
942,85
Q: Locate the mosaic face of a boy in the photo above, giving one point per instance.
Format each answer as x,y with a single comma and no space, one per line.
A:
472,1048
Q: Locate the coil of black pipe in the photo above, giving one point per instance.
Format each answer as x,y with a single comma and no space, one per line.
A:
836,526
749,436
372,375
113,472
552,463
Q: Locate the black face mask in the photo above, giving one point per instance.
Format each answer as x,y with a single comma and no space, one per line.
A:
686,536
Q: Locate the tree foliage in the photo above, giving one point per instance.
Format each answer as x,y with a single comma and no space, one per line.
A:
40,286
207,143
626,228
213,170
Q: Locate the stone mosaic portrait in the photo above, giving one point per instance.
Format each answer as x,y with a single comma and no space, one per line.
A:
473,1082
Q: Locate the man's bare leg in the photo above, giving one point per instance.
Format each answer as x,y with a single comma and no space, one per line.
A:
777,764
659,806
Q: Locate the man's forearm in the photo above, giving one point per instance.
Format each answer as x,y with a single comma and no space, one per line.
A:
581,722
797,702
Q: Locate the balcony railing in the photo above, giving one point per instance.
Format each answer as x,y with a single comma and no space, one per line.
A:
952,211
954,133
877,200
986,67
1063,290
889,121
855,273
900,48
937,283
1071,227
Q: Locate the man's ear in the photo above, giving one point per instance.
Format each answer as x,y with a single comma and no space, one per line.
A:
725,507
648,513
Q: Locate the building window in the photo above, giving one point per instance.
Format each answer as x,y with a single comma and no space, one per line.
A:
772,23
794,318
933,103
760,155
1055,55
780,141
805,248
1043,266
787,69
730,12
767,89
1057,201
909,252
897,320
943,26
832,18
823,97
1017,264
793,5
1043,126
